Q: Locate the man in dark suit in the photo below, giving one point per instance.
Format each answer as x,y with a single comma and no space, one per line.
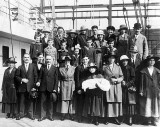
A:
26,76
48,83
81,74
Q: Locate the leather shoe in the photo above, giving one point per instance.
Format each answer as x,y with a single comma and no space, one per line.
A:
31,117
18,118
42,118
106,122
8,115
50,118
62,118
117,121
154,123
130,121
96,123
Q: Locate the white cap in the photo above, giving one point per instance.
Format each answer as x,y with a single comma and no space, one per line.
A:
124,57
100,32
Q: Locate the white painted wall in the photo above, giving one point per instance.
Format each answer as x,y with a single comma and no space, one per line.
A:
17,46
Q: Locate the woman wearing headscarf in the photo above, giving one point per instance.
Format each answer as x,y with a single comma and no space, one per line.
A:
9,98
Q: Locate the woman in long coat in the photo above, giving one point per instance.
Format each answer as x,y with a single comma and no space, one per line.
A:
94,98
67,86
113,73
128,89
9,98
149,91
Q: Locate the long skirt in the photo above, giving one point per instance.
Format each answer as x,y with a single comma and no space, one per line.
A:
114,109
149,107
9,108
94,106
66,107
129,109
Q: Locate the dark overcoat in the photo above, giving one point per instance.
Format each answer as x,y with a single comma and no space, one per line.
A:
115,92
31,75
8,87
48,79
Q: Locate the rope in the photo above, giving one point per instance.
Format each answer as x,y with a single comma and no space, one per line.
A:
10,26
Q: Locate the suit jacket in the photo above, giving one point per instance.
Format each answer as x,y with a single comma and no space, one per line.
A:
57,42
71,42
48,79
115,92
81,74
31,75
82,40
141,43
35,49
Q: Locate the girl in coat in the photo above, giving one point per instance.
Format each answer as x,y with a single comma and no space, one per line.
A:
149,91
113,73
128,89
67,86
9,98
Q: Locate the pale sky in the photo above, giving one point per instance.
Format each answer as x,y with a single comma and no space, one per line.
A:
102,23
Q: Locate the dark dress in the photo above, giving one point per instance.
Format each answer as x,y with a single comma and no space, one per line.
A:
128,97
9,98
94,100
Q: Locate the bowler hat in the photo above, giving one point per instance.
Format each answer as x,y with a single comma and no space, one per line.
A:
137,26
67,58
111,28
11,60
110,54
123,27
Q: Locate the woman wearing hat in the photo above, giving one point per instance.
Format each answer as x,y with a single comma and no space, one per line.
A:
93,103
67,86
71,39
113,73
122,40
128,90
9,98
149,91
100,47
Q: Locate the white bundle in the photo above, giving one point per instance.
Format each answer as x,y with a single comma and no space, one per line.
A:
102,83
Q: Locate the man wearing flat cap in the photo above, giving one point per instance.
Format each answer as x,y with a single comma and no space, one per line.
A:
139,40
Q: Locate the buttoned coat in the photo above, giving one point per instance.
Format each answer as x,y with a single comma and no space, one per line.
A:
141,43
67,83
8,86
115,92
48,79
31,75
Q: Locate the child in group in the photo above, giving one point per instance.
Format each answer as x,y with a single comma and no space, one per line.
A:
90,51
111,47
50,50
76,56
62,52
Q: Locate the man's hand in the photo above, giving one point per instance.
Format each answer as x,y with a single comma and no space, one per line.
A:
25,80
38,84
141,94
113,80
123,83
79,91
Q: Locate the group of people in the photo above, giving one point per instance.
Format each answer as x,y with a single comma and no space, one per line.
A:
53,82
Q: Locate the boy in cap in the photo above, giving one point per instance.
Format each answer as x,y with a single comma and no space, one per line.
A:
94,31
139,40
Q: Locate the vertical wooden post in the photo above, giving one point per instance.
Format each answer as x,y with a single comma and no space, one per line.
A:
110,13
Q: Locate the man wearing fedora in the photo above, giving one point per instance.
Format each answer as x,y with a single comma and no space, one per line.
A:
71,39
26,76
139,40
47,83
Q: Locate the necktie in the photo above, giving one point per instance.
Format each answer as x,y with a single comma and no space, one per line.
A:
48,66
26,66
